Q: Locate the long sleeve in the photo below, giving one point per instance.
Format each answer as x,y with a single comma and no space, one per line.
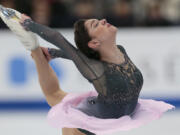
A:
57,53
89,68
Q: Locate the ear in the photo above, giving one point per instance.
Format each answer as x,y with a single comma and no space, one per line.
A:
94,43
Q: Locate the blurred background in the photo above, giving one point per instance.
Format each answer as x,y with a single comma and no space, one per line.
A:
121,13
148,29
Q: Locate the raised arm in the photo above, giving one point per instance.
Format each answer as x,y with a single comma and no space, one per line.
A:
56,53
86,66
47,78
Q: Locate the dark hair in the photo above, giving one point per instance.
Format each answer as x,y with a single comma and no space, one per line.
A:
82,38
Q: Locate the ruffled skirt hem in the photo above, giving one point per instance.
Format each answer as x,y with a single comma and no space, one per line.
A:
65,114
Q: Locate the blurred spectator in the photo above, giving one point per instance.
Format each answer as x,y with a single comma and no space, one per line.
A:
24,6
154,16
82,9
41,12
63,13
121,13
9,4
171,10
59,14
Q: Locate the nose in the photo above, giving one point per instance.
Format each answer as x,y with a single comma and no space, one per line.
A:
103,21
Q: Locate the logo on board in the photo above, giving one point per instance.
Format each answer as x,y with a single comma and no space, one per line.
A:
21,70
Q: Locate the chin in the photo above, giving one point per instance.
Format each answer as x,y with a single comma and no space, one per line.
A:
114,29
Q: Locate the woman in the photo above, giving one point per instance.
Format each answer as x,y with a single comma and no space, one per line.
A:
107,66
117,80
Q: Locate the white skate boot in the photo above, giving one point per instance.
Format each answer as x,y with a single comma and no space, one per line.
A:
12,18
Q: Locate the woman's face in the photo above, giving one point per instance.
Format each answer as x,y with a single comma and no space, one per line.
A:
100,29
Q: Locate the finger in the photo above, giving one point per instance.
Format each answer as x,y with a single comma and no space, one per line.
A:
23,18
44,53
48,59
45,50
26,16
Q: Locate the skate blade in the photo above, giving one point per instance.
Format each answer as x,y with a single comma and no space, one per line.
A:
8,13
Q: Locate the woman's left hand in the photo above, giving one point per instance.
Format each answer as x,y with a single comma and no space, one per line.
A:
23,19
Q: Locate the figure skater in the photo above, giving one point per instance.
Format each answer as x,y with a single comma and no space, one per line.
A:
118,82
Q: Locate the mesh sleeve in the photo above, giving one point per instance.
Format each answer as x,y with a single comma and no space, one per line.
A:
57,53
88,68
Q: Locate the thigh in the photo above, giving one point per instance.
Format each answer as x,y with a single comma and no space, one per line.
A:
71,131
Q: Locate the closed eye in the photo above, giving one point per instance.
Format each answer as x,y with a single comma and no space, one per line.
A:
97,24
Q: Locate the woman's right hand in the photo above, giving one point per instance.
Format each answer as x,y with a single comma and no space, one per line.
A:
46,53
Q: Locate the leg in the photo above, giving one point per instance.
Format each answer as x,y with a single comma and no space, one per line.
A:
47,78
71,131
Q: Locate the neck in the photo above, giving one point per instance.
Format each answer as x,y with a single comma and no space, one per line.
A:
111,53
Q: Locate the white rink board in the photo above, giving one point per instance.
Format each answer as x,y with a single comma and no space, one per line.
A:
155,51
17,123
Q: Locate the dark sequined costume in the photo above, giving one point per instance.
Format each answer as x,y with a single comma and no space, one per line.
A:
118,85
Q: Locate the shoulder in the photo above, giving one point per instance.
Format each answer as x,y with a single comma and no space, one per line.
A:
94,68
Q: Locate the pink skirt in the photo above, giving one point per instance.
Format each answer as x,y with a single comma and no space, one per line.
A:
65,114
